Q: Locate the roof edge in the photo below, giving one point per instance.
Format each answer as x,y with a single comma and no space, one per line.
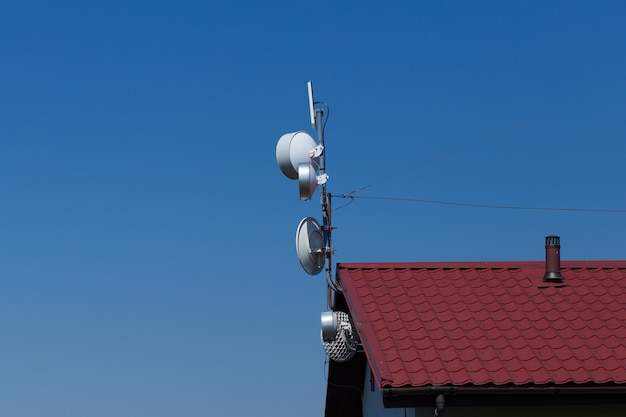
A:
482,264
498,395
531,389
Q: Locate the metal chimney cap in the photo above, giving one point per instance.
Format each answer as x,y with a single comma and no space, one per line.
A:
553,241
553,260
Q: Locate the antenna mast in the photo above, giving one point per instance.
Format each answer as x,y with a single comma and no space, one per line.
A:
325,200
299,156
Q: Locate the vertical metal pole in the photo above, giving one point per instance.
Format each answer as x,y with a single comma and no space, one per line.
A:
325,200
319,113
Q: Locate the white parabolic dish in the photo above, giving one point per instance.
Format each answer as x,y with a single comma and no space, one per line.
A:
310,245
307,180
293,149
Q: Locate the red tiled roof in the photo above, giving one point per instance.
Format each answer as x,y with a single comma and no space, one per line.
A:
482,323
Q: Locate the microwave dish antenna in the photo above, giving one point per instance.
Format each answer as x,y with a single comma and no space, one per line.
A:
310,246
307,180
293,149
298,157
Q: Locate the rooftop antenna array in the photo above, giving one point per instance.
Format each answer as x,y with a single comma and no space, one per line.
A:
302,158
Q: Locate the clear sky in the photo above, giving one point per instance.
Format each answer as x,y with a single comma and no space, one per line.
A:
147,261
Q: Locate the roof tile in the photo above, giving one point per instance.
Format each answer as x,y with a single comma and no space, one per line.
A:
489,323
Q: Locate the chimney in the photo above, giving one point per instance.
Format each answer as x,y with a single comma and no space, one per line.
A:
553,260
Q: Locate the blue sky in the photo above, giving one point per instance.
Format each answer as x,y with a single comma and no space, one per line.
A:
148,264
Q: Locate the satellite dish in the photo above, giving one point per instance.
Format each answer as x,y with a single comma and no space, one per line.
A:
293,149
310,245
307,180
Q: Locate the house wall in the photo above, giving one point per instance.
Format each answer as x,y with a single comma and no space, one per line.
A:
373,407
373,401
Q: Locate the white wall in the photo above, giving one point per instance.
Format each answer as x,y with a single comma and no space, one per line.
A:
373,403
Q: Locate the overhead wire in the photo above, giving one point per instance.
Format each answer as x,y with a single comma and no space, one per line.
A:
489,206
489,137
351,195
327,362
327,113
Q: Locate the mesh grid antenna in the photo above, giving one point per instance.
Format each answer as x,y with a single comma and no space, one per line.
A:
345,342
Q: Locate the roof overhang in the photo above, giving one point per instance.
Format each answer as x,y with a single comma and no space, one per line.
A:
504,395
